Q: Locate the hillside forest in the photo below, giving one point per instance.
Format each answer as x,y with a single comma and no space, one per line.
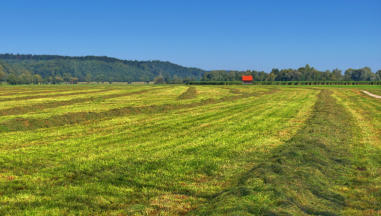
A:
53,69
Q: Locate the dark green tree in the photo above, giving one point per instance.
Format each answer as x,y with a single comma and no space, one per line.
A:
159,80
13,79
378,75
362,74
37,79
2,73
176,80
57,79
336,75
26,78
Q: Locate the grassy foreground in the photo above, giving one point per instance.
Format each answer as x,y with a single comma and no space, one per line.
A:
199,150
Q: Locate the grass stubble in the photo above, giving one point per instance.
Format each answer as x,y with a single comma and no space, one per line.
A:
270,151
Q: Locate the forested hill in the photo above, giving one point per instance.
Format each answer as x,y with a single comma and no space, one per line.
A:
55,69
25,69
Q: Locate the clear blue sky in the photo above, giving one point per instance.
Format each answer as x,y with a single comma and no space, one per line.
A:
207,34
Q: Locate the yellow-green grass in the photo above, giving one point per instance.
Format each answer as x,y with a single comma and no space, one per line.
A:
200,150
29,100
46,105
46,94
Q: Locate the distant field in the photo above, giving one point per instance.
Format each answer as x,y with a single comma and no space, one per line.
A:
189,150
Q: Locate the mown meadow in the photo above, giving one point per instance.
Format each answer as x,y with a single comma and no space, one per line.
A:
189,150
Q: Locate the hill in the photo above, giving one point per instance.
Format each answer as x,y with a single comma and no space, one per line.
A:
25,69
54,69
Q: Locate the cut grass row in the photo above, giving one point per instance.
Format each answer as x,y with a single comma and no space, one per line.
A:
140,164
24,93
15,91
53,104
99,104
190,93
28,97
18,124
320,171
245,152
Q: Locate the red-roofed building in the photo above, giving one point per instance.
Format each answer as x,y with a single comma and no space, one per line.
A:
247,79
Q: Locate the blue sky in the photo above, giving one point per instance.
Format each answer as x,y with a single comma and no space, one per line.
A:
221,34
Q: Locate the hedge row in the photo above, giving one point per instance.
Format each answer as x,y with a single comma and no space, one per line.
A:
214,83
317,82
286,83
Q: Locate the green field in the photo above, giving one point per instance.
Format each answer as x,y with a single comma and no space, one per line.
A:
198,150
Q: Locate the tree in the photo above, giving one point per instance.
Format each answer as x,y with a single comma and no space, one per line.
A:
49,80
177,80
271,77
37,79
159,80
336,75
2,73
26,78
13,79
57,80
100,78
363,74
73,80
378,75
88,77
66,77
261,76
348,74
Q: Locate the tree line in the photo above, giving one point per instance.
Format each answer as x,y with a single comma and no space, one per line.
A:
52,69
306,73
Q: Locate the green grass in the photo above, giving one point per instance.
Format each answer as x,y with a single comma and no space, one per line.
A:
199,150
